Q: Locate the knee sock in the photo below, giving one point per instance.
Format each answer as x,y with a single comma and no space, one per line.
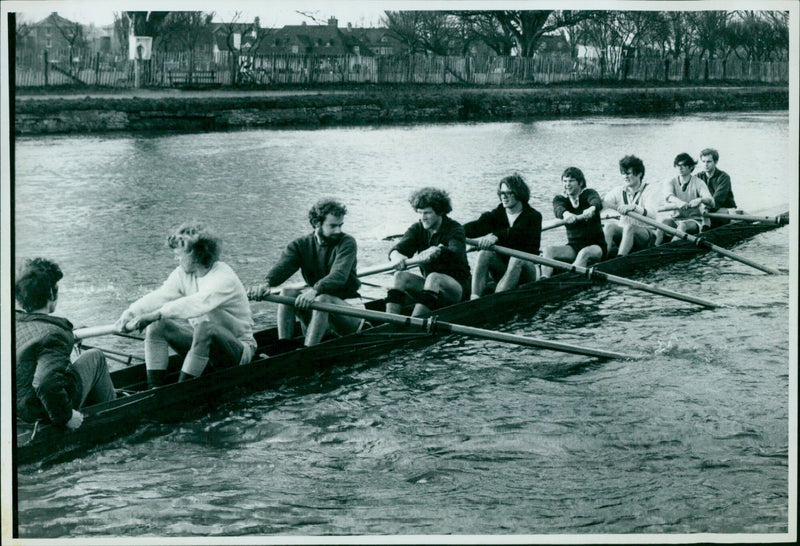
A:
429,299
156,378
395,296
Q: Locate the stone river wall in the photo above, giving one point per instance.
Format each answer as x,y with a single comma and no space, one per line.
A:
218,110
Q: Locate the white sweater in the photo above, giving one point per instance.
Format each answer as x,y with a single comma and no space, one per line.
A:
217,296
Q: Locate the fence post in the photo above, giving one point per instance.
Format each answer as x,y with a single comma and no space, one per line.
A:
97,68
46,69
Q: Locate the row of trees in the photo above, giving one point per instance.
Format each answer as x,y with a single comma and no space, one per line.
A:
747,35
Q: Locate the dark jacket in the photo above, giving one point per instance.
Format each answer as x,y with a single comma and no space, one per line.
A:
720,187
329,269
46,386
524,235
453,259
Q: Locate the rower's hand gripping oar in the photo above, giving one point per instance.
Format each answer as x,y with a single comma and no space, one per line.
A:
593,273
700,241
255,293
431,324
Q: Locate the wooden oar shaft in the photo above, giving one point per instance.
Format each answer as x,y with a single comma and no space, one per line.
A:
373,270
552,224
94,331
701,242
591,272
778,220
433,325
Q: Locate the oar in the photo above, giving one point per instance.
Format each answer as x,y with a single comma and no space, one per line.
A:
779,220
550,224
593,273
373,270
699,241
431,324
94,331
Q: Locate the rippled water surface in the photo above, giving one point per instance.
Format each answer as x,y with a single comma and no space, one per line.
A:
461,437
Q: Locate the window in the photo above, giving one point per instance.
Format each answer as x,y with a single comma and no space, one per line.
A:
295,49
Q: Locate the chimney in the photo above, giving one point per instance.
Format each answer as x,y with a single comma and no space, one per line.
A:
349,27
333,22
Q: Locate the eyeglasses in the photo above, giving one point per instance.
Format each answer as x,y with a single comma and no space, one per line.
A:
505,194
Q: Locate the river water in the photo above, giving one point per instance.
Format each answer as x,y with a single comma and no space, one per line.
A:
462,437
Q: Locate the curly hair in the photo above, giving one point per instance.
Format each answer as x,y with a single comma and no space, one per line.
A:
684,158
631,162
195,239
517,185
323,208
434,198
576,174
36,283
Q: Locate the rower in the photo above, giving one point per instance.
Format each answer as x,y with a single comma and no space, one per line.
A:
580,207
49,386
327,260
201,311
513,224
440,242
719,185
628,235
688,193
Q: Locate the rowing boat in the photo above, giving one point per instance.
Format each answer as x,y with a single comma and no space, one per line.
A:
136,403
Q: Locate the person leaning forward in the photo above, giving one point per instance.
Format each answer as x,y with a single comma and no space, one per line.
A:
580,208
327,261
49,386
201,311
513,224
628,234
440,242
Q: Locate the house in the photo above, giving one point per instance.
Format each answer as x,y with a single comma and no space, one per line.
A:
313,40
237,37
56,34
379,41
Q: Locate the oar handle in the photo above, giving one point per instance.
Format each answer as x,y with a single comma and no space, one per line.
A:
552,224
94,331
373,270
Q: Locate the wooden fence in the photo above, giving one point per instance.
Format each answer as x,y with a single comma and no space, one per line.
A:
37,69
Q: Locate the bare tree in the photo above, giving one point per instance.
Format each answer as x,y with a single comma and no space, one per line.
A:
185,30
72,34
251,37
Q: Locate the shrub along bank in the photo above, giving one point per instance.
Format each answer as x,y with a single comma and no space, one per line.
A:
214,111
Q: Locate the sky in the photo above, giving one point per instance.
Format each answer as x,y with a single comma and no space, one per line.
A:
274,13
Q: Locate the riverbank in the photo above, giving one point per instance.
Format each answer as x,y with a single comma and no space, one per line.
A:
100,111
